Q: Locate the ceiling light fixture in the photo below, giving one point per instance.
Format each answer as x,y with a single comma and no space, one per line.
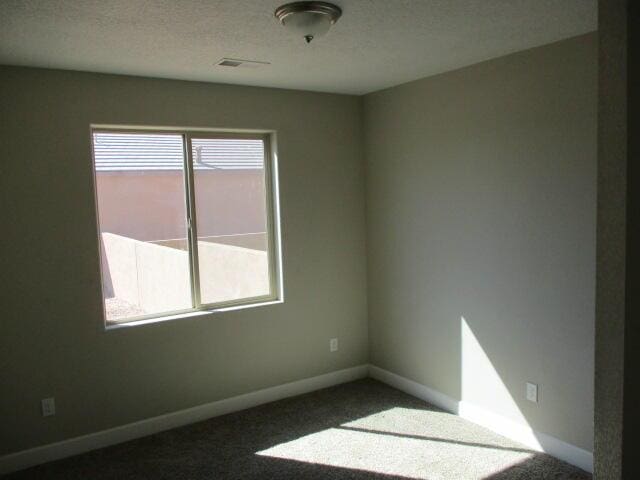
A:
308,19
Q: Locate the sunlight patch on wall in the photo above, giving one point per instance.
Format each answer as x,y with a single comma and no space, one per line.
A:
483,393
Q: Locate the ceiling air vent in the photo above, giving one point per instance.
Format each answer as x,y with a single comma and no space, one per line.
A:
237,63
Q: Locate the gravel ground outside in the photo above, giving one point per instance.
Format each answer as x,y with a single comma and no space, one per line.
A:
117,308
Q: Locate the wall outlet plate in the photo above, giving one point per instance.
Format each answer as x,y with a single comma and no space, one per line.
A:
333,345
48,407
532,392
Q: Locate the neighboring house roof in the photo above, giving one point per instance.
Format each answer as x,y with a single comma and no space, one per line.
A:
135,152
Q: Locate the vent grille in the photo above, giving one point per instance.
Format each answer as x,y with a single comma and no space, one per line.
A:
229,63
238,63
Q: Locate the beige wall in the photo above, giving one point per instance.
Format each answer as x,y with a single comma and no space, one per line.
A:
53,341
481,200
481,245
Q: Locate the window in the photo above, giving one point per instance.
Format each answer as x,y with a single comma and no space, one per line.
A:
186,221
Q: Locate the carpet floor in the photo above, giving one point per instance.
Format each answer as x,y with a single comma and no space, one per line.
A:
359,430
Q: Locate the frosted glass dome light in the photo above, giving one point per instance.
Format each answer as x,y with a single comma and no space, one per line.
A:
308,20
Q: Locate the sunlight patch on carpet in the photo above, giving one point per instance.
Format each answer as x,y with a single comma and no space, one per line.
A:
394,443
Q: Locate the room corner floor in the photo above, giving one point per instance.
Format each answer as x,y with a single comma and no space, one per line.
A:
358,430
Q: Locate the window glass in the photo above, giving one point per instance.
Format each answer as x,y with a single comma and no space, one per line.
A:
155,260
140,192
230,199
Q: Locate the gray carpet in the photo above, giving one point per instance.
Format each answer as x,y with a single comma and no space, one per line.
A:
359,430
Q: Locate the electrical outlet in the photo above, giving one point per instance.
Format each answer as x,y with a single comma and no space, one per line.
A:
333,345
532,392
48,407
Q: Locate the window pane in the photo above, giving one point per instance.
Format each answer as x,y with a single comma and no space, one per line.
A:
141,208
230,194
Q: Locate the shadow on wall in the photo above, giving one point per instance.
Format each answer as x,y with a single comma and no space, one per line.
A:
481,384
486,352
491,381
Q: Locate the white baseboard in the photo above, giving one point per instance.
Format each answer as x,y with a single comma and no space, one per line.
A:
131,431
527,436
497,423
414,388
516,431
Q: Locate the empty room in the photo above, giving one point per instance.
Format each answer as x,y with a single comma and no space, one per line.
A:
252,239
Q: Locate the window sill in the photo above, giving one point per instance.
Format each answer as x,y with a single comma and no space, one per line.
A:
194,314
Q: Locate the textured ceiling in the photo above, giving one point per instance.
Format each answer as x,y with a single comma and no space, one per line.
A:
376,44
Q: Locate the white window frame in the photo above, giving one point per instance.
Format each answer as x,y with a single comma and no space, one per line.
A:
272,205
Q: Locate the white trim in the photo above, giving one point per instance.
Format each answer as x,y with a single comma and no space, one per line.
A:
189,314
497,423
54,451
524,434
273,233
414,388
504,426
